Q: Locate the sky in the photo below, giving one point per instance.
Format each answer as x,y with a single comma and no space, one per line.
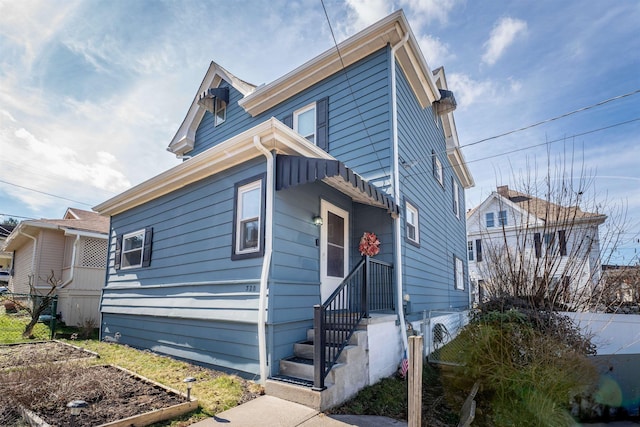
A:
92,92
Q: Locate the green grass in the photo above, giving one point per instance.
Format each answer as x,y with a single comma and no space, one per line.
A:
12,326
214,390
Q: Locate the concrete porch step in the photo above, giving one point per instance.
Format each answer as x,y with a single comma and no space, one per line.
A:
358,337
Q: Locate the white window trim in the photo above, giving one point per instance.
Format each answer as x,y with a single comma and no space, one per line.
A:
216,121
456,199
410,207
241,190
503,221
486,220
459,273
439,172
124,252
303,110
470,250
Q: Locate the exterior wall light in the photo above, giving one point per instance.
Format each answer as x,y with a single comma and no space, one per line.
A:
76,406
189,382
317,220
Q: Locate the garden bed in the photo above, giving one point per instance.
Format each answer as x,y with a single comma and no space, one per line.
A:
16,355
115,396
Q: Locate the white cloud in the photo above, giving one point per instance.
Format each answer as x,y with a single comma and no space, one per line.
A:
469,91
430,10
435,51
502,36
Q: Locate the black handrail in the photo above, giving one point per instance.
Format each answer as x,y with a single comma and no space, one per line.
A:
369,287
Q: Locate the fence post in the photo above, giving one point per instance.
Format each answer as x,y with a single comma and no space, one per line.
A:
415,381
319,345
54,318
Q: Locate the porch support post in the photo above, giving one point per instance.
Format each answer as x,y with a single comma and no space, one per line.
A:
319,345
366,283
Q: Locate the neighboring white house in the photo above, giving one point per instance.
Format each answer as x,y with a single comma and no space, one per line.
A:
546,241
5,257
74,248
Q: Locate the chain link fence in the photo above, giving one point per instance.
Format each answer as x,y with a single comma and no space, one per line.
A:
15,314
439,328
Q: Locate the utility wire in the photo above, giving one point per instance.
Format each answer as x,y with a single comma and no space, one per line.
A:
366,130
42,192
579,110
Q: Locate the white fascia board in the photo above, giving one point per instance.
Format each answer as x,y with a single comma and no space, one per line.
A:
273,134
184,139
84,233
389,30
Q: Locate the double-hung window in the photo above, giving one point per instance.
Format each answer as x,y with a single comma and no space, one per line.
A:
490,219
437,167
133,249
304,122
249,217
412,224
220,114
502,218
456,197
470,250
458,272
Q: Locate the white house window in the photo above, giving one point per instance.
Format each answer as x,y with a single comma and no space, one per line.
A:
437,168
248,221
304,122
502,218
458,273
470,249
456,198
490,219
132,249
413,230
221,112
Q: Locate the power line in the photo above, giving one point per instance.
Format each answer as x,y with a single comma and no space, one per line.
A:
15,216
555,140
42,192
579,110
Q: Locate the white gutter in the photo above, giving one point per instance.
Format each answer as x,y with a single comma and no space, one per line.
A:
73,261
266,263
396,193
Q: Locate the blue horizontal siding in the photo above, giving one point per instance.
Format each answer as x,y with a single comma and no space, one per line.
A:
428,272
219,344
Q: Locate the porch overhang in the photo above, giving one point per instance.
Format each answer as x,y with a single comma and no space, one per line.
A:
297,170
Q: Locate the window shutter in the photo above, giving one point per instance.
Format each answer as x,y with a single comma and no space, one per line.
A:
288,120
478,250
322,123
537,244
563,242
148,239
118,254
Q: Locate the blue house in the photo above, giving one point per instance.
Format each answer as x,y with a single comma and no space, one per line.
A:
246,256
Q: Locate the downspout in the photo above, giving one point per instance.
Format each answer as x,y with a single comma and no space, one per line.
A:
33,258
396,192
73,262
266,263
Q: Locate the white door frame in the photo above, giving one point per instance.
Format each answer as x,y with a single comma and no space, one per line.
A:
328,284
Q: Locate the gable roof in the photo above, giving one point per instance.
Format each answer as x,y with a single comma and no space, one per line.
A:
74,222
390,30
184,138
543,210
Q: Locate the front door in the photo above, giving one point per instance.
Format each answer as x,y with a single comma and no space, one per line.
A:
334,248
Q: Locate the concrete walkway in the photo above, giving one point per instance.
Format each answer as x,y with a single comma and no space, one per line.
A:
274,412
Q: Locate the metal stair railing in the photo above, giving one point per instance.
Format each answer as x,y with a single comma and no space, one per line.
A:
369,287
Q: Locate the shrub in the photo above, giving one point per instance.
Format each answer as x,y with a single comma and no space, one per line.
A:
528,373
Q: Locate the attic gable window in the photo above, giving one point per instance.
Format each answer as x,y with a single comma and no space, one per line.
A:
220,114
304,122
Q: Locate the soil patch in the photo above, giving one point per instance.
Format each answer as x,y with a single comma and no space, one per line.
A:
111,393
16,355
